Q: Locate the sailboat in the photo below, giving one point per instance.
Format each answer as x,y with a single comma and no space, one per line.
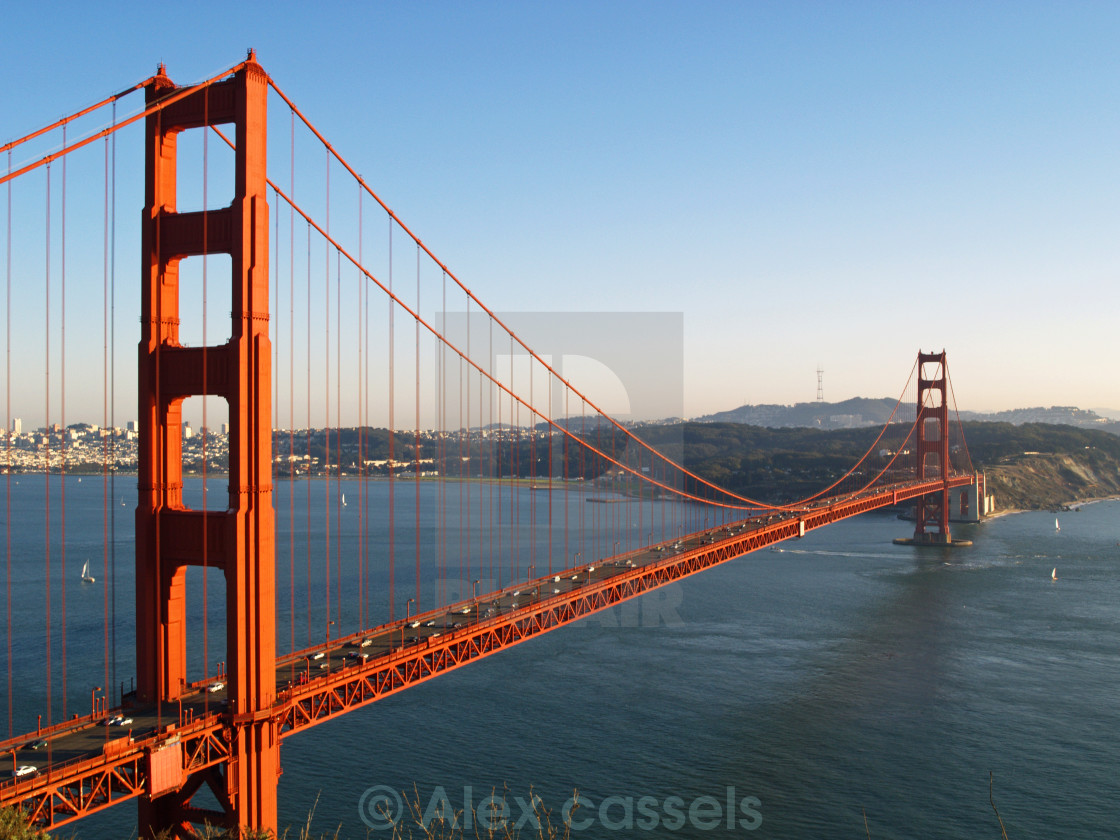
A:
86,576
1054,574
1057,527
344,500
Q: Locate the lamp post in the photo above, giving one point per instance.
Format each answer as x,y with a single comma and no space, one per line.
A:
408,606
93,701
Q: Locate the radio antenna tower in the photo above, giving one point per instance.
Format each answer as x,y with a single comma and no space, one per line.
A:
820,384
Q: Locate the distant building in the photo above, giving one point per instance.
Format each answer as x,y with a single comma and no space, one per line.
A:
225,428
130,425
187,433
17,426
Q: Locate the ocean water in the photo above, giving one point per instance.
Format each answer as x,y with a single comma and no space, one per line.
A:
786,694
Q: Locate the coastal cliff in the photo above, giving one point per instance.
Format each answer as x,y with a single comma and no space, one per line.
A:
1043,481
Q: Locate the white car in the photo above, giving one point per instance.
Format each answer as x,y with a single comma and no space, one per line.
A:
216,687
118,720
25,770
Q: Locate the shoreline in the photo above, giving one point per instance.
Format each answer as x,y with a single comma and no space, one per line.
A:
1067,506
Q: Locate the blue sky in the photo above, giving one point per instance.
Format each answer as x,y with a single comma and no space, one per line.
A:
807,184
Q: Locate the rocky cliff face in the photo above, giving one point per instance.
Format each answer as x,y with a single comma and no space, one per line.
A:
1041,481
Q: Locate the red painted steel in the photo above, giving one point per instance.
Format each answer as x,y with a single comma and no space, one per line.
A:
122,770
238,541
932,520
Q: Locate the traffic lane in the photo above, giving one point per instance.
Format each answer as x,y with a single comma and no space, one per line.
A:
87,740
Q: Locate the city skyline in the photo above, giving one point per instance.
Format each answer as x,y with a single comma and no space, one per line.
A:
806,186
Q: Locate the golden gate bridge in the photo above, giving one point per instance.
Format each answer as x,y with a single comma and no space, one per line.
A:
248,210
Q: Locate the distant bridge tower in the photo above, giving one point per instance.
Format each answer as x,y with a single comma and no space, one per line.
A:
932,450
242,765
820,384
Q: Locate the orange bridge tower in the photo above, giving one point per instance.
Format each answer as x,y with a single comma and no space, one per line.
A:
237,541
932,450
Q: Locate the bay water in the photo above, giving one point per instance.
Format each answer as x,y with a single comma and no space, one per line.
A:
789,693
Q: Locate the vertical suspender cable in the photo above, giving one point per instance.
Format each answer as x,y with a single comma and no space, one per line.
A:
62,421
392,439
361,431
363,376
292,387
8,431
461,485
495,464
106,444
338,435
567,479
442,350
307,525
532,475
482,448
46,454
111,685
205,430
467,490
548,495
515,473
327,405
416,445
